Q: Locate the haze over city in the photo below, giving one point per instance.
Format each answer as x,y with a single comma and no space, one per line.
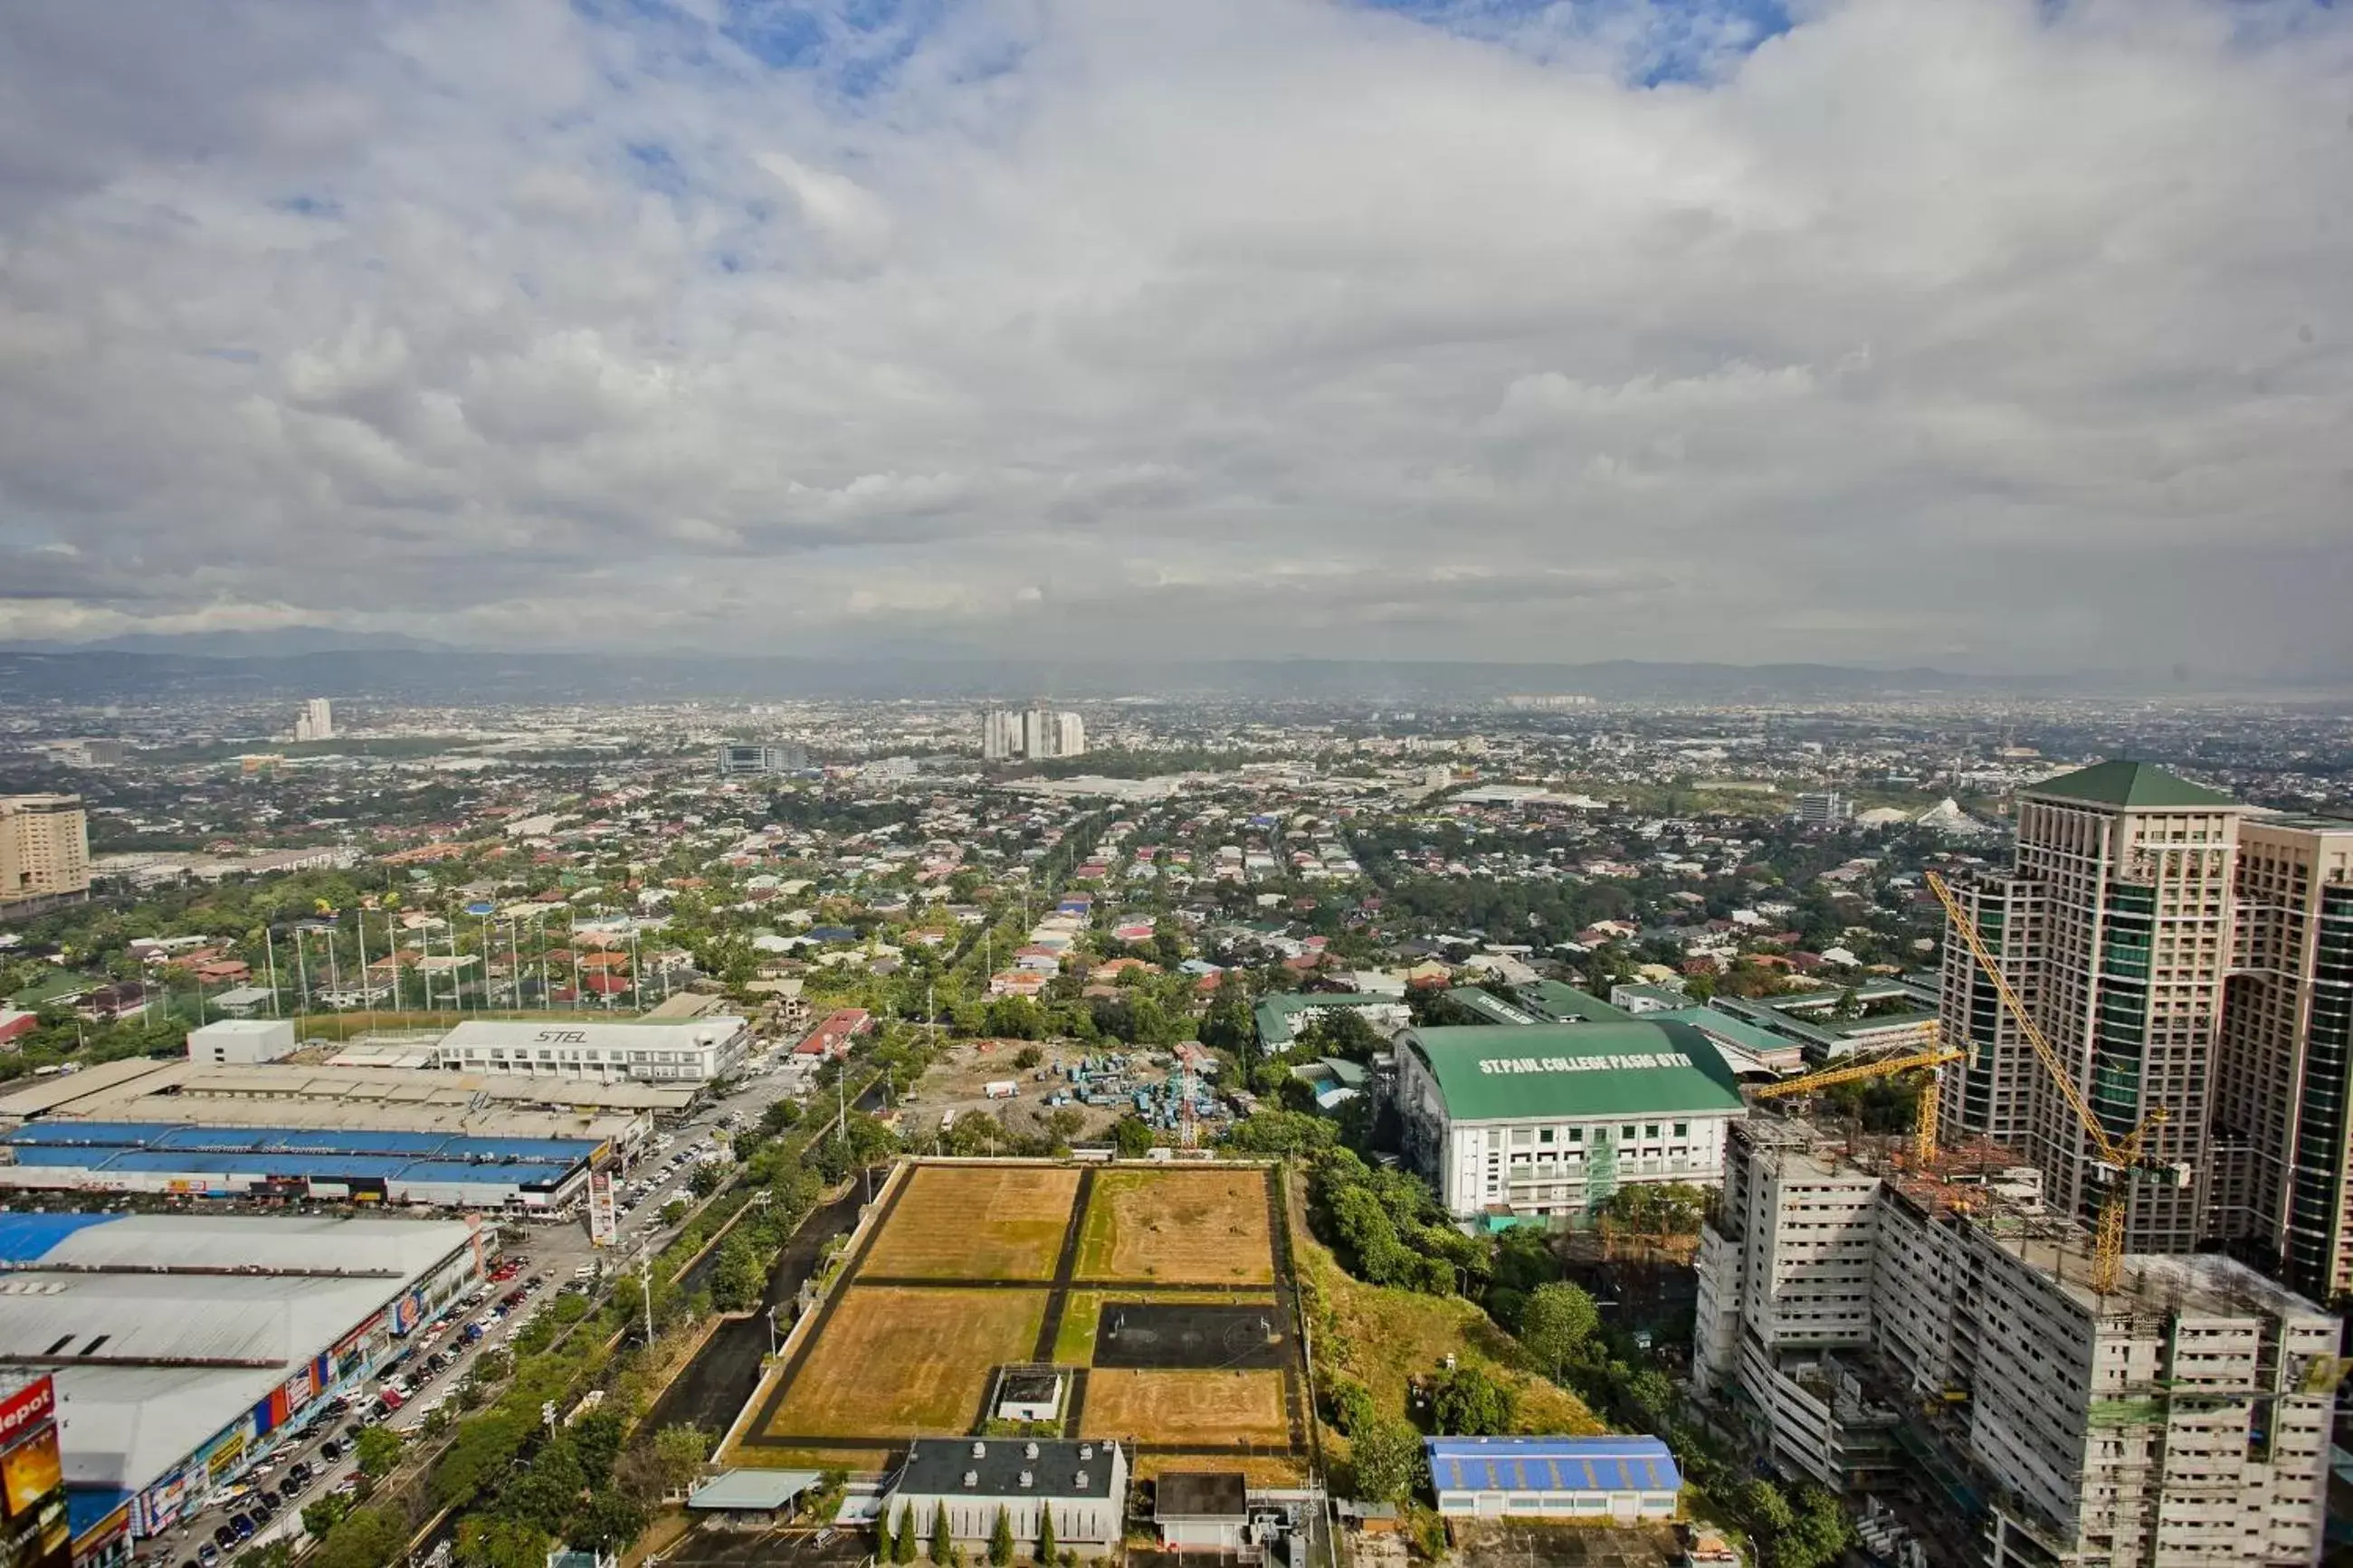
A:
2001,338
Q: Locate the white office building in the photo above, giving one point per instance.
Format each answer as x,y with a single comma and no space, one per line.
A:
682,1050
1865,1321
242,1040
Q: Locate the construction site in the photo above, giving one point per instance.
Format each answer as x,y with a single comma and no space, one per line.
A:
1909,1322
1930,1335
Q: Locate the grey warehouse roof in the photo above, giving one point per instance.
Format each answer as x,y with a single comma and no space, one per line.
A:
937,1466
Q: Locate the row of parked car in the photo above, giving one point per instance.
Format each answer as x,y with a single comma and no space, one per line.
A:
262,1497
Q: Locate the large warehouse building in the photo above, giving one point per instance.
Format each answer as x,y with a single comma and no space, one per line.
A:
680,1050
363,1166
182,1347
1545,1121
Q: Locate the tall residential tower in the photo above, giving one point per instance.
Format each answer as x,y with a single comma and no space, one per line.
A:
2282,1151
2115,924
44,850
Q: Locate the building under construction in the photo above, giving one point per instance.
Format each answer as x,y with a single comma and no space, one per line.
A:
1931,1335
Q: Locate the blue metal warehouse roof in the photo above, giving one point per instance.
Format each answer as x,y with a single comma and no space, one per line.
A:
28,1237
195,1137
1551,1465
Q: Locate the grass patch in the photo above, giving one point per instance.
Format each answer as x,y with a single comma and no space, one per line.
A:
975,1222
1383,1337
1196,1227
900,1362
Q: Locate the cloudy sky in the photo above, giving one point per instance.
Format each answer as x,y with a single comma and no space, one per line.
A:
1990,333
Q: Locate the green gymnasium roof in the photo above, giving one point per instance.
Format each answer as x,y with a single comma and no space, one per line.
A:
1634,1068
2133,785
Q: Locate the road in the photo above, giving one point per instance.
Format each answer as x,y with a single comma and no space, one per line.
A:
726,1370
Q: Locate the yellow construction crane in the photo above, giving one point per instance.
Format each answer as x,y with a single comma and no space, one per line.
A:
1923,1133
2121,1157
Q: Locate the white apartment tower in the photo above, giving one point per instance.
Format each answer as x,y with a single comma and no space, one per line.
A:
1000,735
2115,925
2283,1148
316,721
1856,1317
1037,734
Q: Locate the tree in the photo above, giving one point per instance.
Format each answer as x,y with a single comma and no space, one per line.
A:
1045,1533
1352,1406
706,1179
943,1544
736,1277
1467,1402
608,1521
680,1451
1556,1323
904,1551
377,1452
1000,1540
1384,1456
885,1544
1133,1137
491,1540
320,1517
367,1538
1027,1057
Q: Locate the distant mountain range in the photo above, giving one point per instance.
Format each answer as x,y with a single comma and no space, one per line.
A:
283,642
317,661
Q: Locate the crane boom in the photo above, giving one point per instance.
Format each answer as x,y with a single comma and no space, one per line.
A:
1924,1130
2122,1155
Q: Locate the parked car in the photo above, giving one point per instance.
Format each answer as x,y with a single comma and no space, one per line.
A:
331,1450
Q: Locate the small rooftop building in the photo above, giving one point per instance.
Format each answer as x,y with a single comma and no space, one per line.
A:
1621,1479
1202,1510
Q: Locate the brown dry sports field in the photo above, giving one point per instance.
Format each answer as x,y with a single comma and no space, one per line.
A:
1179,1227
989,1222
965,1268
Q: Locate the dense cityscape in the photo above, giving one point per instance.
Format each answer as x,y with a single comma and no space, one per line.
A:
1623,1080
1249,783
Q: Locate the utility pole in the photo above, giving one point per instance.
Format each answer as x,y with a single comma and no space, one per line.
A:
269,945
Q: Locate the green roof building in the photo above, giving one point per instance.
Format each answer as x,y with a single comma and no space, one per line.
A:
1283,1015
1545,1121
2136,786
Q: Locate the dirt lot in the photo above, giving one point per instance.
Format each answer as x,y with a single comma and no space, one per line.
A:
1522,1545
954,1083
1188,1407
1179,1227
986,1222
895,1362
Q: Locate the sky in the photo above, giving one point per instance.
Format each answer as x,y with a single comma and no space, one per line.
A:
1993,334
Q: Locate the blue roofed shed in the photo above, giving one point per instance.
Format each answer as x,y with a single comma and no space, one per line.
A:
1621,1479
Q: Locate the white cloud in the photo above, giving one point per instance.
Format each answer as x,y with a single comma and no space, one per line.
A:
2009,334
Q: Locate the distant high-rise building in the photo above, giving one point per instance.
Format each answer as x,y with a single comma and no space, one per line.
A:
2115,925
789,757
1000,735
316,721
2282,1154
1037,734
43,848
1821,807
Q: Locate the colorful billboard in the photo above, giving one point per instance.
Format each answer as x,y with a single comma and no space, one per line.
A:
603,1212
35,1531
